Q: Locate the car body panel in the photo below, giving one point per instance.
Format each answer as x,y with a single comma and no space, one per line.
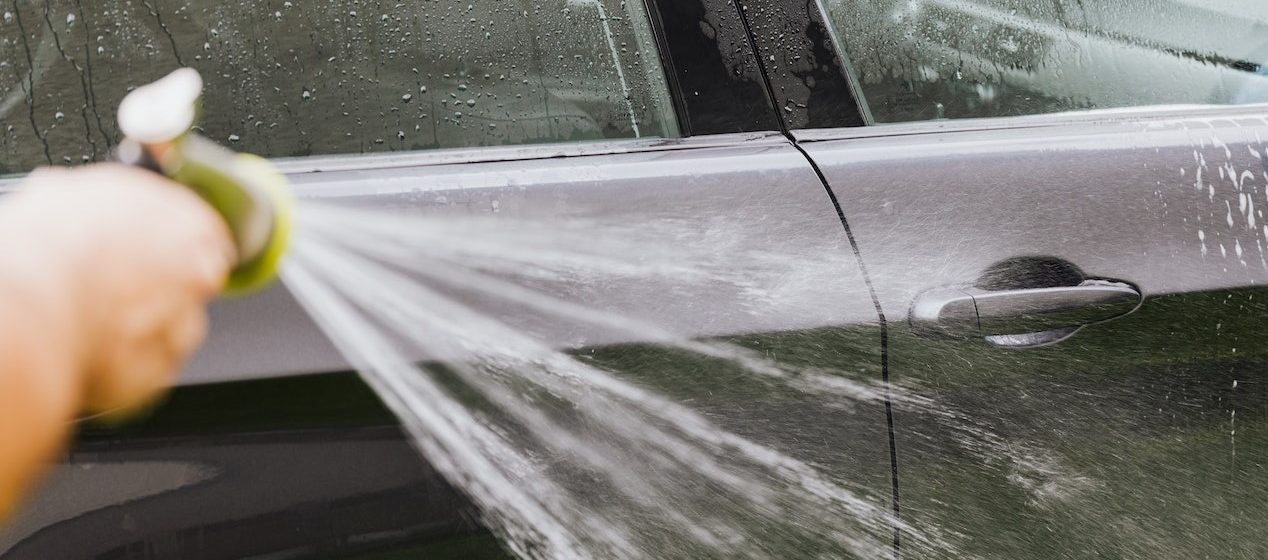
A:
782,280
1139,437
757,198
309,466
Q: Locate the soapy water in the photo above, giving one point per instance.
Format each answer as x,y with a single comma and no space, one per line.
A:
565,458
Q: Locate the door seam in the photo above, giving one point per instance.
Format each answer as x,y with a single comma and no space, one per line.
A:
895,502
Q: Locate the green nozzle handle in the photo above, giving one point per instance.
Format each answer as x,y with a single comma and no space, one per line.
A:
252,196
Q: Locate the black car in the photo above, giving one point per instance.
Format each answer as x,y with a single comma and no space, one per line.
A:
1044,217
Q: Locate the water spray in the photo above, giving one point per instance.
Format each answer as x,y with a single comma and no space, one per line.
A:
252,196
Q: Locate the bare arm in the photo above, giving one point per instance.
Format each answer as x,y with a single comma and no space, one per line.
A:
105,272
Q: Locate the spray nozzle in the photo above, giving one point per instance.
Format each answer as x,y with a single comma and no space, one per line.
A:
254,199
163,111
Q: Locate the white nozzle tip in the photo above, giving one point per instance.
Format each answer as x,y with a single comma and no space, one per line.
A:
163,110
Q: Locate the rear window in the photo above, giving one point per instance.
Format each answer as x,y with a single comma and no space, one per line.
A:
298,77
931,59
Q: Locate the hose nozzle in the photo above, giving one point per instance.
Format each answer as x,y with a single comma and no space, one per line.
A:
254,199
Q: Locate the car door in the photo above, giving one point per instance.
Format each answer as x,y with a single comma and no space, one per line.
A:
655,120
1059,206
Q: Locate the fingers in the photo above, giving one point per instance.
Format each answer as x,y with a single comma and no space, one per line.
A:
211,263
146,353
147,255
186,334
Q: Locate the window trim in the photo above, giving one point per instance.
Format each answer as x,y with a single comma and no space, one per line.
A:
1112,116
525,152
379,161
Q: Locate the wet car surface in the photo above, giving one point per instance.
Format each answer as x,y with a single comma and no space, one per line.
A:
1004,171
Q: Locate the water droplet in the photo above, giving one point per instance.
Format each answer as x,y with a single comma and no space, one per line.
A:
462,87
8,17
70,18
306,94
234,137
60,115
406,97
471,103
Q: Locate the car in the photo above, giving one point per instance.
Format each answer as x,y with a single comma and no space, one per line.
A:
1054,269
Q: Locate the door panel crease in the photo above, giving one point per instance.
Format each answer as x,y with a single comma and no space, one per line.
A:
883,324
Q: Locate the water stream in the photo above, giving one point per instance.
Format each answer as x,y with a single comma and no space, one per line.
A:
565,457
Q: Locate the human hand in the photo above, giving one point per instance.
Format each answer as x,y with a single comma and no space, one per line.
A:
105,272
141,256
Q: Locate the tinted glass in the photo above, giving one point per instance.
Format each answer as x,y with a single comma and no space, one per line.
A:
928,59
303,77
718,78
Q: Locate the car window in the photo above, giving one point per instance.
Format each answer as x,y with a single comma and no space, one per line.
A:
930,59
300,77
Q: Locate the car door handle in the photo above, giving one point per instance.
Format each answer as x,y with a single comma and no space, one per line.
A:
1017,317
